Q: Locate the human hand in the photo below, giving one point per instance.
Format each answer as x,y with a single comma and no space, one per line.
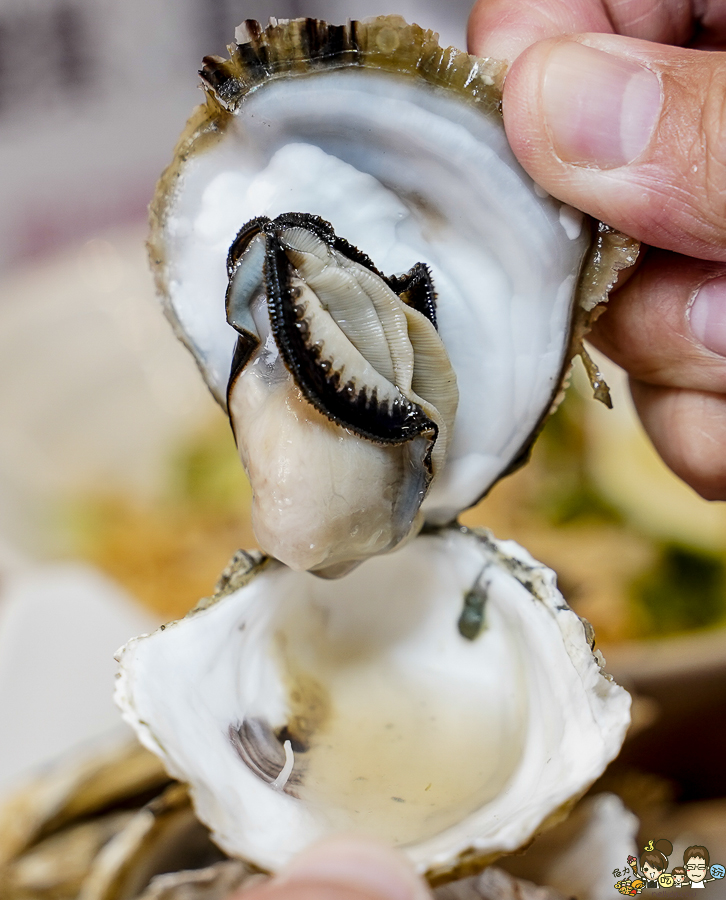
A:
607,117
343,868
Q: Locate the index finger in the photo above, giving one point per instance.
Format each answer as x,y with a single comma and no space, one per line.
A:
504,28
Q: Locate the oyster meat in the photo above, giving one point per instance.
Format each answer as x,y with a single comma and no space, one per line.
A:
329,352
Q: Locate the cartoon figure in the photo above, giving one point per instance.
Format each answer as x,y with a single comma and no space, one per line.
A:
696,860
654,861
626,885
665,880
679,876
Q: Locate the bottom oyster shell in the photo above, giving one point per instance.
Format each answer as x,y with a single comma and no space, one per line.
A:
297,707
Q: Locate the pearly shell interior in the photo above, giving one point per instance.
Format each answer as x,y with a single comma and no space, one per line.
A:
406,172
393,722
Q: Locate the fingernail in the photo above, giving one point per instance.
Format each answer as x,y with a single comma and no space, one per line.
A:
600,109
359,864
708,315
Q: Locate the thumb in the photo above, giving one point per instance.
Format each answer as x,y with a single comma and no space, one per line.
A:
629,131
343,868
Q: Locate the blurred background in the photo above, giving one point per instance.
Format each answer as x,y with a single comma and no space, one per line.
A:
121,498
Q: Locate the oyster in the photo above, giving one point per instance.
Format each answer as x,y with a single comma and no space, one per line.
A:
297,707
399,145
443,695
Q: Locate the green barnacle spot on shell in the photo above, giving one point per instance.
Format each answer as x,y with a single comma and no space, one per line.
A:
471,620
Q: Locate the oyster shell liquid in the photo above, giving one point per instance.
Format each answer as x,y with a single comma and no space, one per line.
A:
400,753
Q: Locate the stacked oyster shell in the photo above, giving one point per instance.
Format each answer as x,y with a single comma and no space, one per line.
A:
86,829
387,308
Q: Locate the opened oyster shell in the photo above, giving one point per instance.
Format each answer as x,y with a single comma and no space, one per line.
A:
444,698
399,146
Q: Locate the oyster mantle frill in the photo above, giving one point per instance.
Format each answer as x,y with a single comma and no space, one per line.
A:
399,145
396,725
339,381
